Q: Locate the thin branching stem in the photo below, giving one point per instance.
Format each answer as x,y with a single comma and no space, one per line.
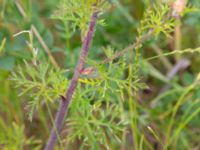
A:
60,117
138,43
44,45
38,36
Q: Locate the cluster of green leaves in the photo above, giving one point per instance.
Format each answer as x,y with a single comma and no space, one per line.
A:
157,19
40,83
96,123
98,114
77,13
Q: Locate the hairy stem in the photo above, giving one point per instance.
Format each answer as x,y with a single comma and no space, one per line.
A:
66,101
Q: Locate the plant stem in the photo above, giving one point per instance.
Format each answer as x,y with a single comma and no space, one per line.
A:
38,36
44,45
163,59
131,47
178,37
66,101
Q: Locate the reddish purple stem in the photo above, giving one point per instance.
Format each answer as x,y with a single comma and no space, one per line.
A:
61,114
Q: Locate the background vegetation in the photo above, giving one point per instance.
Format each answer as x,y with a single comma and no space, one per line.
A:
149,98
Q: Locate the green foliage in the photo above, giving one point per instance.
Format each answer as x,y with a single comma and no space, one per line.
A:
88,123
78,12
112,107
13,138
189,9
96,114
40,83
157,20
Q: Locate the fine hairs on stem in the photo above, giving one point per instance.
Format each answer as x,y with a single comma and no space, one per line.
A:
64,104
